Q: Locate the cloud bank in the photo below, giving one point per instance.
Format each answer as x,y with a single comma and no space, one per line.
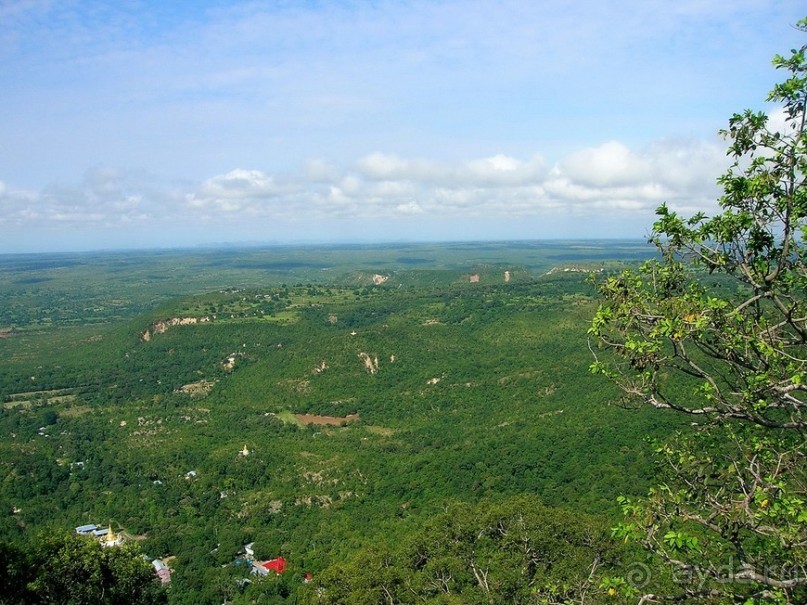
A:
609,184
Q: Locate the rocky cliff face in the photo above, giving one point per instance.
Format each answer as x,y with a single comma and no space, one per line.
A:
163,325
370,363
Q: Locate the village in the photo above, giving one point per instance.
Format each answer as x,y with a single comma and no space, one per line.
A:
246,556
110,539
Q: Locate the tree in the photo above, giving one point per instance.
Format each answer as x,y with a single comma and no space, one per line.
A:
715,328
515,551
77,569
16,569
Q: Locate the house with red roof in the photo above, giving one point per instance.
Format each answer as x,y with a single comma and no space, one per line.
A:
276,565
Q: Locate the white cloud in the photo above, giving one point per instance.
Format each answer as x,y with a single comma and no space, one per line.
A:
497,170
681,173
610,180
239,190
18,207
409,208
103,198
384,167
505,170
239,183
352,185
611,164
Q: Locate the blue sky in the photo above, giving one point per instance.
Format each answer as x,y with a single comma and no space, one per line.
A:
163,124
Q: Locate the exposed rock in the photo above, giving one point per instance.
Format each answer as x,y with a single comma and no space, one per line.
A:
370,363
323,501
574,270
162,326
197,389
229,363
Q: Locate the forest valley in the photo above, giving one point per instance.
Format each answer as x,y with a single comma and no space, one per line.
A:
422,438
452,423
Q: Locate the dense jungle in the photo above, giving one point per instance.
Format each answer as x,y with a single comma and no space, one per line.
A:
397,423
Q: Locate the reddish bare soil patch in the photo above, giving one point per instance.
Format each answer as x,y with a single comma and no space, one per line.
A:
325,420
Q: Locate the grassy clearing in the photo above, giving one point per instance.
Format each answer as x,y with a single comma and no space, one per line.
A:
27,400
283,317
75,411
288,418
383,431
50,395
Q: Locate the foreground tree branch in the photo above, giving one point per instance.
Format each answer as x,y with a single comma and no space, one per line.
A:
716,328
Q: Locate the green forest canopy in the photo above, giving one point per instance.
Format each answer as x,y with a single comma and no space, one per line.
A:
470,397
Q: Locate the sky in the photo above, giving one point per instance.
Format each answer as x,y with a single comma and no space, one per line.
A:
142,124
